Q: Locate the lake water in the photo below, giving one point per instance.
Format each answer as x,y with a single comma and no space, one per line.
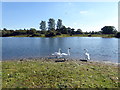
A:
100,49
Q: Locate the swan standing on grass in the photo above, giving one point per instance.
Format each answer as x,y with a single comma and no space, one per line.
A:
87,56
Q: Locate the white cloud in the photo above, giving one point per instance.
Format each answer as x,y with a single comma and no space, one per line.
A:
83,12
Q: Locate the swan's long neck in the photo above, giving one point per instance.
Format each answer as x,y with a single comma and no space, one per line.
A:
86,51
68,51
59,50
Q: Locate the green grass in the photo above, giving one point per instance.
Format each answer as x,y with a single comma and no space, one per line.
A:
26,36
19,36
67,35
85,35
49,74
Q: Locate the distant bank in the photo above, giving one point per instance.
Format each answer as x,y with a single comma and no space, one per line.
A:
67,35
107,31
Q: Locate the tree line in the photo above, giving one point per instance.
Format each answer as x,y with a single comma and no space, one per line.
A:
54,29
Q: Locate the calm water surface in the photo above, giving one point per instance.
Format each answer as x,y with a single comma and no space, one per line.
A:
100,49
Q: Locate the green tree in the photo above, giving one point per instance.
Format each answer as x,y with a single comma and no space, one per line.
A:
0,33
63,30
50,33
79,31
43,32
108,30
117,35
72,31
86,32
4,32
31,31
43,25
92,32
19,32
51,24
4,29
69,30
59,24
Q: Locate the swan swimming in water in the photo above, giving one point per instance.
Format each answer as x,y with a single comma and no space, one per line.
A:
60,54
57,53
87,56
65,54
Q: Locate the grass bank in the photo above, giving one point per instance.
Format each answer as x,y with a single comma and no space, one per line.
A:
67,35
50,74
87,35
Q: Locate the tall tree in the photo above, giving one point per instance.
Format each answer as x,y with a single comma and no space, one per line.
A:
79,31
59,24
69,30
5,29
51,24
72,31
43,25
108,30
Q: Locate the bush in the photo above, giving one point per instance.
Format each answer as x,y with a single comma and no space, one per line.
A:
50,34
36,35
78,32
42,32
117,35
89,35
70,34
58,33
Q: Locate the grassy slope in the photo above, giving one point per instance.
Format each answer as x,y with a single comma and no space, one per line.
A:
39,74
66,35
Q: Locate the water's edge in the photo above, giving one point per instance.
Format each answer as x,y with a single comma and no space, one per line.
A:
67,59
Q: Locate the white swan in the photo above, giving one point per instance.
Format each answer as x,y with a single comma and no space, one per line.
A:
57,53
87,56
65,54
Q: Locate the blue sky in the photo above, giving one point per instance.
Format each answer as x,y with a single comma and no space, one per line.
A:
88,16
